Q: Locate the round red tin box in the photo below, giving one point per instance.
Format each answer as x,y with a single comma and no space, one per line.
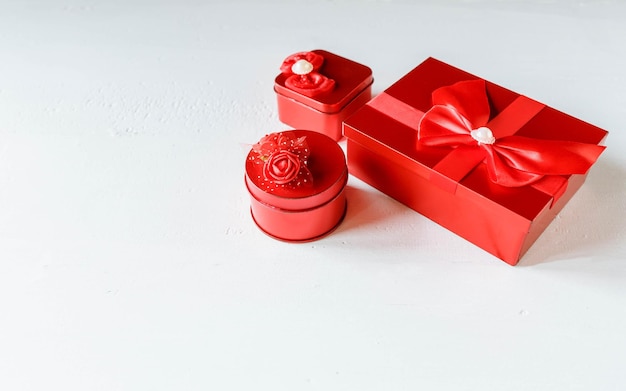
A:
338,87
296,180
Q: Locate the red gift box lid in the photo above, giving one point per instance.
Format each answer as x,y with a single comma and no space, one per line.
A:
350,79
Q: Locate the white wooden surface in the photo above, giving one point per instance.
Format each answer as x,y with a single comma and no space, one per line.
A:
129,261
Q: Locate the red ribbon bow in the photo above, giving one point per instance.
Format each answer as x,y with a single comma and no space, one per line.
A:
460,118
303,76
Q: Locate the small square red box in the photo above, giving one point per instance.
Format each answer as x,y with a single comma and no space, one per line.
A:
471,182
326,112
296,180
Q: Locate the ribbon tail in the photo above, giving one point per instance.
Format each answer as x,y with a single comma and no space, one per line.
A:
518,161
547,157
503,174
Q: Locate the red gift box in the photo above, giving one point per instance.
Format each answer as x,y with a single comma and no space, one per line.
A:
296,180
325,91
489,164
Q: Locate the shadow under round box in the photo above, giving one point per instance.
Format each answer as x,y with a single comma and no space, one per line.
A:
300,210
463,176
325,113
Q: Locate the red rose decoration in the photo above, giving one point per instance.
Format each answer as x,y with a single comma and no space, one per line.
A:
303,76
284,158
282,167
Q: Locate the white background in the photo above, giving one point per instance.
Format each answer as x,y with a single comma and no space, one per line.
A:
128,258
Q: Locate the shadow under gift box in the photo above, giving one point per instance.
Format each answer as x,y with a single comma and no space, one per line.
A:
505,221
325,113
303,213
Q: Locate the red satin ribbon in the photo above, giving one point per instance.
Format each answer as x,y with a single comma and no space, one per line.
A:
511,160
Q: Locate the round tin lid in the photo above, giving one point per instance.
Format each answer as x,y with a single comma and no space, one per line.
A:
350,79
321,172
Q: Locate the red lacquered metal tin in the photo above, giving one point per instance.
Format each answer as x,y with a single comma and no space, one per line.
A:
310,205
324,113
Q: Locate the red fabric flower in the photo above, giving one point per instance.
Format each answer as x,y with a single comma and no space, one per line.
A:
284,158
302,76
282,167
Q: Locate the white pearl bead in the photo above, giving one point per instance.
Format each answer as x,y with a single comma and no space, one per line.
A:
483,135
301,67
